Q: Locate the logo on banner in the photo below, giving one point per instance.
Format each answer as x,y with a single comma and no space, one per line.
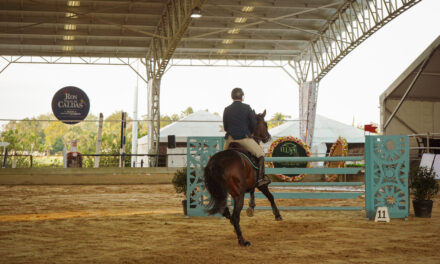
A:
70,105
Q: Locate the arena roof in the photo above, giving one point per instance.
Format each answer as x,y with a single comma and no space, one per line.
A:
233,29
124,28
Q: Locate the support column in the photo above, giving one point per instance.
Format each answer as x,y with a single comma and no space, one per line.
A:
308,95
99,140
153,116
134,129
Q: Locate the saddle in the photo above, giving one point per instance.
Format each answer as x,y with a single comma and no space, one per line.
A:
238,147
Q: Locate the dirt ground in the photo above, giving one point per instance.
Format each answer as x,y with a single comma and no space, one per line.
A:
145,224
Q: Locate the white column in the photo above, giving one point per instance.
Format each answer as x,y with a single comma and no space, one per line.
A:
308,95
134,129
153,116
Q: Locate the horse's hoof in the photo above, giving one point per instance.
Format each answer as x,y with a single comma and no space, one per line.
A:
245,243
250,211
278,218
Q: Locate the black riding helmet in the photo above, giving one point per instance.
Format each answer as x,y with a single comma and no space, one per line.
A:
237,94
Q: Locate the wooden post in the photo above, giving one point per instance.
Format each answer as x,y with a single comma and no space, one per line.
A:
99,140
122,148
5,158
14,161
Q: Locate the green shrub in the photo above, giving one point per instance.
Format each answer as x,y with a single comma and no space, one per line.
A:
179,181
423,184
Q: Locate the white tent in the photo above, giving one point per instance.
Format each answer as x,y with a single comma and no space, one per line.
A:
411,104
326,131
198,124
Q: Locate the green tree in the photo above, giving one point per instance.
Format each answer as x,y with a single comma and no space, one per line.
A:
277,119
54,134
186,112
58,146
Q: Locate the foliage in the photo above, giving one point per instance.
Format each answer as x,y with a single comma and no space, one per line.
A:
277,119
179,181
186,112
46,135
354,165
423,184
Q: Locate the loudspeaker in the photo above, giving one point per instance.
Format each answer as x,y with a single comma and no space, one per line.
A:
171,141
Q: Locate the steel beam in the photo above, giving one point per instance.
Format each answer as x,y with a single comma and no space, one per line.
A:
354,22
175,20
308,97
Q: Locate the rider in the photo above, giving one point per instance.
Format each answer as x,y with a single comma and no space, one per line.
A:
239,123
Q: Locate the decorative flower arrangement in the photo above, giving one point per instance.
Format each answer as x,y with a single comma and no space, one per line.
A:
297,141
338,149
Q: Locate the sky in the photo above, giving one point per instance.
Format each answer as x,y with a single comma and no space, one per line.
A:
349,92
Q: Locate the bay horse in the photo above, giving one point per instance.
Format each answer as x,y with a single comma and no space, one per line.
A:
230,171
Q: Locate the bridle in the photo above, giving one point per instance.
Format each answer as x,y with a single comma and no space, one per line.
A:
258,139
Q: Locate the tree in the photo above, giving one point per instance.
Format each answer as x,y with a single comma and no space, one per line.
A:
54,134
277,119
186,112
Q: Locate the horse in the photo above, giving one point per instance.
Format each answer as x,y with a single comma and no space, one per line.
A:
230,171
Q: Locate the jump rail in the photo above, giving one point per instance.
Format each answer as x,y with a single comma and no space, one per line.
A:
313,195
386,176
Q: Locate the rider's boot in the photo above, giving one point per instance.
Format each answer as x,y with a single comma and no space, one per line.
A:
261,178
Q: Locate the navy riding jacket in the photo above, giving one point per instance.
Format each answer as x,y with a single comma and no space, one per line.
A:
239,120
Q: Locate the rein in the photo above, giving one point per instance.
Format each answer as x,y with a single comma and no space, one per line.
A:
242,154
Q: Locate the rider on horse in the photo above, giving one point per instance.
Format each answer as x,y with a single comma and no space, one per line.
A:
239,123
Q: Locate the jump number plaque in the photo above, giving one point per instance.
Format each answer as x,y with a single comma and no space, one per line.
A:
382,215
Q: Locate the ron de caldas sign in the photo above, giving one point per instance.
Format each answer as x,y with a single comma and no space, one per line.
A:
70,105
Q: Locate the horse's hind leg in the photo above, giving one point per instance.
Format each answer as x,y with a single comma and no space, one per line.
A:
265,190
235,220
226,213
250,210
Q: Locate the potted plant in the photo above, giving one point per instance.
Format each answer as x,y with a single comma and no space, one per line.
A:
423,187
179,182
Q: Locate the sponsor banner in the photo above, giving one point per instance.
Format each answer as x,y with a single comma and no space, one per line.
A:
70,105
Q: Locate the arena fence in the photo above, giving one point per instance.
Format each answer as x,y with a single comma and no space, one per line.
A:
386,176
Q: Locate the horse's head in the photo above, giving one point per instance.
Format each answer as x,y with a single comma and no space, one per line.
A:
260,132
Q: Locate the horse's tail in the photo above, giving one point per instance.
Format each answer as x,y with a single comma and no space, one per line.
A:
216,185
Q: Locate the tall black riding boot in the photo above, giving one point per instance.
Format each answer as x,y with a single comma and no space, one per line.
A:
261,179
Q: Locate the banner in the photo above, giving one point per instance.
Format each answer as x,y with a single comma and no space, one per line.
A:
70,105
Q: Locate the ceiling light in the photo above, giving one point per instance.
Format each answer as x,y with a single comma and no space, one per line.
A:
234,31
240,20
71,15
196,13
73,3
227,41
67,48
69,27
222,51
247,8
68,37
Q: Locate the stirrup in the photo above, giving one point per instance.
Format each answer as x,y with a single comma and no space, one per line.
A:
263,181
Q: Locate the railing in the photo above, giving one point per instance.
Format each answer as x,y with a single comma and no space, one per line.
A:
313,195
31,160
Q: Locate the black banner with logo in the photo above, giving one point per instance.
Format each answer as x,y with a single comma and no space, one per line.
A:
70,105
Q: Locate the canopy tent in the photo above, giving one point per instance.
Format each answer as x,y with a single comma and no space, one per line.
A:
198,124
326,131
411,105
